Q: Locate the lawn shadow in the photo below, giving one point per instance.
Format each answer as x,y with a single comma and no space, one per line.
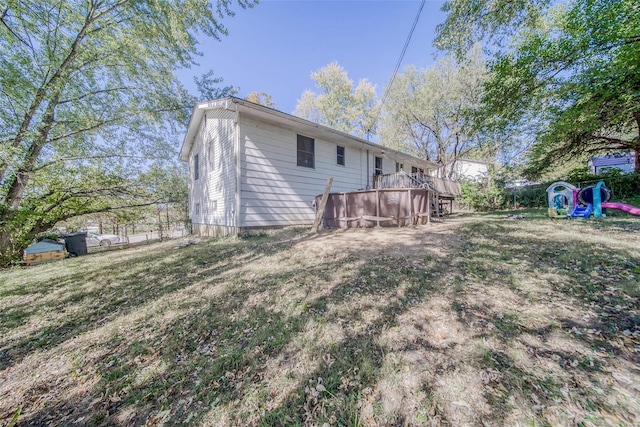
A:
571,306
118,288
230,347
279,330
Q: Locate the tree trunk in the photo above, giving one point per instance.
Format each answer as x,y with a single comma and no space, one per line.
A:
168,222
41,94
159,223
21,177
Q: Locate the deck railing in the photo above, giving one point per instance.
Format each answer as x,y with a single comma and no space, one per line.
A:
401,180
443,187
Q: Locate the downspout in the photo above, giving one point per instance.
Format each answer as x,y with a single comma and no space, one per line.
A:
237,152
368,187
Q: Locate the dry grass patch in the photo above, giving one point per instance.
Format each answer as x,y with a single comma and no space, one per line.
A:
471,321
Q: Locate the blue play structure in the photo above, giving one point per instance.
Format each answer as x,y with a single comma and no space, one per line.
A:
568,201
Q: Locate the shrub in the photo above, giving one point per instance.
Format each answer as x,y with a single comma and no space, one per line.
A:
482,197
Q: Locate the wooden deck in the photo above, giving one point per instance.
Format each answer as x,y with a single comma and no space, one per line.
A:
444,191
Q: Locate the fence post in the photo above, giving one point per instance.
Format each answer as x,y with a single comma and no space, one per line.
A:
377,208
410,207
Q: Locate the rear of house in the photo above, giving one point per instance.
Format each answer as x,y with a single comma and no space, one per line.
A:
251,166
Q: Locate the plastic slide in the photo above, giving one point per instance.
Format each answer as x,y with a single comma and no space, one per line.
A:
633,210
583,211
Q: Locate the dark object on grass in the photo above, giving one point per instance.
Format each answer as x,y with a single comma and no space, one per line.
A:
76,243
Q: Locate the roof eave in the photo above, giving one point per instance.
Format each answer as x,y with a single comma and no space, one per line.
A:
225,103
196,117
327,130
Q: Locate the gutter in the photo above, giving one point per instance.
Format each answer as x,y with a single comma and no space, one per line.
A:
223,103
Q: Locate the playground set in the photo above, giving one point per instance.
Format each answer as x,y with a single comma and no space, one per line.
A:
568,201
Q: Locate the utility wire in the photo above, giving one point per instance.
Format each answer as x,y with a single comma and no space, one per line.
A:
395,72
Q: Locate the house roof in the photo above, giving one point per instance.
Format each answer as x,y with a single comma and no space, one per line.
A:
615,159
479,162
276,117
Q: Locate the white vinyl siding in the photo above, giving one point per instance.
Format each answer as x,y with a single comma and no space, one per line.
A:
274,189
214,191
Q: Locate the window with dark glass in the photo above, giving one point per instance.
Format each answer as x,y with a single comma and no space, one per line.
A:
306,152
196,167
378,166
340,155
414,169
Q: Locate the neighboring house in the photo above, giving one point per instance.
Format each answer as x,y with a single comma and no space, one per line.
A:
253,166
623,161
464,169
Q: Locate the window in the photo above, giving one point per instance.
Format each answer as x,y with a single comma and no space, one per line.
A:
378,166
197,210
399,167
421,171
196,167
306,152
340,155
414,170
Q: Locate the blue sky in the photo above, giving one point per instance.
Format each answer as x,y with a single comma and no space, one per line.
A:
275,46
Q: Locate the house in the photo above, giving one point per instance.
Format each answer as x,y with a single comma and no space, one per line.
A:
465,170
626,162
252,166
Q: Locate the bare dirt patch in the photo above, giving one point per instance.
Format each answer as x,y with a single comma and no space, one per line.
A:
470,321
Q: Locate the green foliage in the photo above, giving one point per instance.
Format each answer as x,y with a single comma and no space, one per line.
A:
207,85
623,185
436,113
491,21
564,76
338,104
89,102
593,100
483,196
262,98
533,196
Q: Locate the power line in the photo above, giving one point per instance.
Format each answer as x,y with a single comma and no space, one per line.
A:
395,72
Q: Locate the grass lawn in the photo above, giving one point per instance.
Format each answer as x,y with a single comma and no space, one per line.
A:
475,320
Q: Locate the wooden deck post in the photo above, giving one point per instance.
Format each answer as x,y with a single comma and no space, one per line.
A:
346,214
410,207
429,197
398,213
323,204
377,208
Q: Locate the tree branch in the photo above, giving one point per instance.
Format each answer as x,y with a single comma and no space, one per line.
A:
96,92
105,156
